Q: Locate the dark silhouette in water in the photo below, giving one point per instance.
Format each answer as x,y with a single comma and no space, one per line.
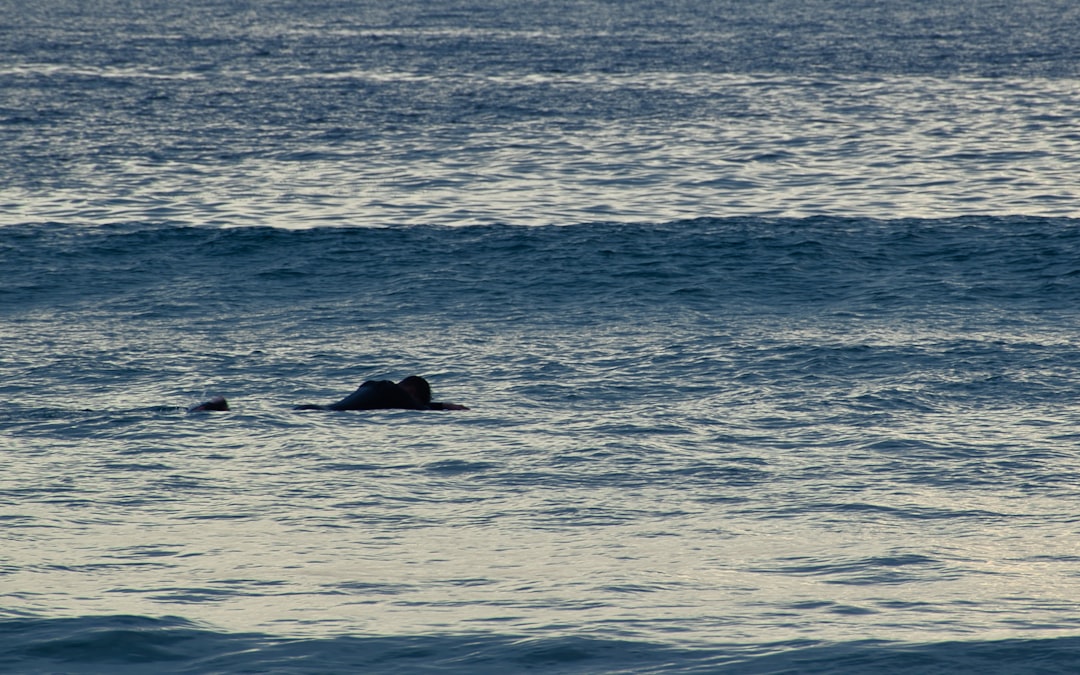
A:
412,393
216,403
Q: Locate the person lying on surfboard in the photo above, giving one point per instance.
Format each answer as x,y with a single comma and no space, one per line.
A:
412,393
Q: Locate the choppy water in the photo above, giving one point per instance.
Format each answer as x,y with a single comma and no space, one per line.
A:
296,115
766,315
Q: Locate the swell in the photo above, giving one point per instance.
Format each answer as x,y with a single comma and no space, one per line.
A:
729,264
118,643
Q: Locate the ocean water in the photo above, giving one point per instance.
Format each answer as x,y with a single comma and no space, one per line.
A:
766,314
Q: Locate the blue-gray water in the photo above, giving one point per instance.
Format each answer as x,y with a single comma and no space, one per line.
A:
766,314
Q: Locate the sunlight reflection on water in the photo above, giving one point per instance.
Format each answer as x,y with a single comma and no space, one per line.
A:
770,146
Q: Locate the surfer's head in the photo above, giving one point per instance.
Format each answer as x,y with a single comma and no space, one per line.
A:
216,403
417,387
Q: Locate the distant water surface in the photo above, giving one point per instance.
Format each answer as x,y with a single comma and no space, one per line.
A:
296,115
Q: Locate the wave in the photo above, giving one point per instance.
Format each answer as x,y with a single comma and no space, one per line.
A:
845,264
122,644
930,312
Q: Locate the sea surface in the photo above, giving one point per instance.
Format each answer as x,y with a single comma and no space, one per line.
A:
766,314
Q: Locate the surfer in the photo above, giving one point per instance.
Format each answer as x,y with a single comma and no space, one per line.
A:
412,393
216,403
